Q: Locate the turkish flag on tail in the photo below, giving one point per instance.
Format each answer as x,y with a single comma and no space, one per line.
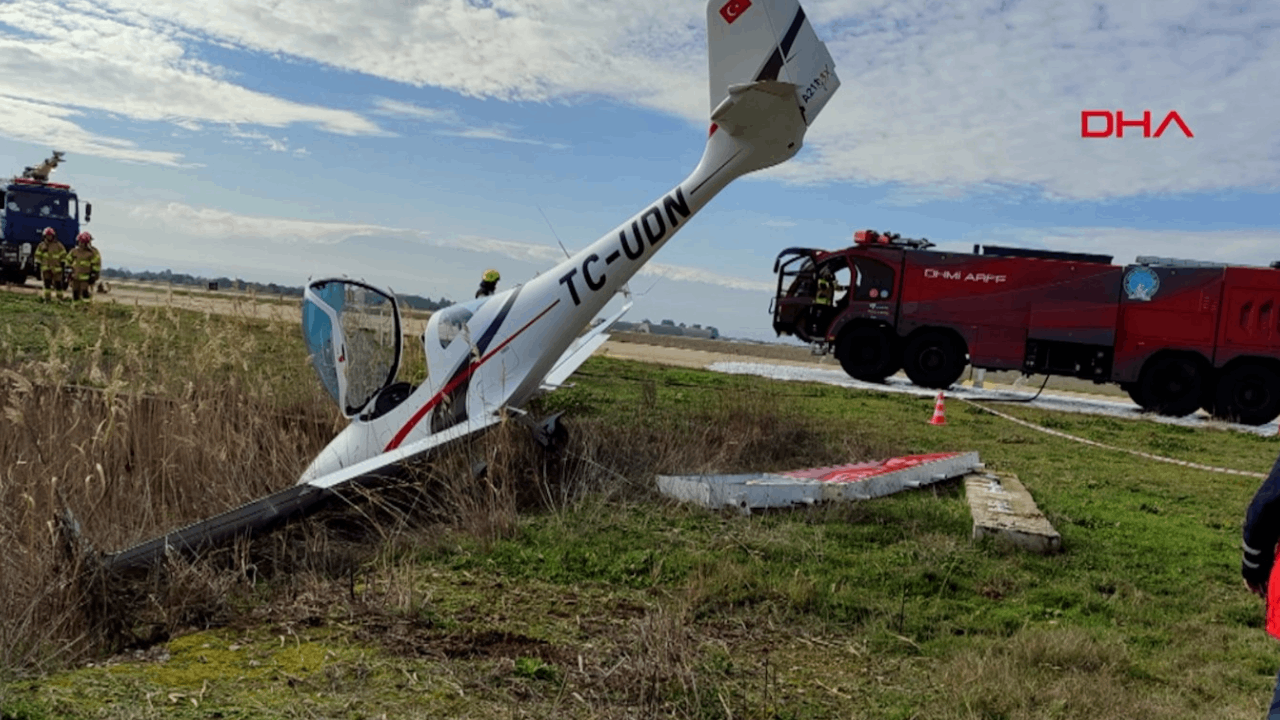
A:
733,9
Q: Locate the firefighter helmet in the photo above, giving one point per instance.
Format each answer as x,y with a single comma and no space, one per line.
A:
83,238
491,276
49,233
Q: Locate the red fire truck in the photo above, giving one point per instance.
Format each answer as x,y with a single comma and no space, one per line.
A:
1177,335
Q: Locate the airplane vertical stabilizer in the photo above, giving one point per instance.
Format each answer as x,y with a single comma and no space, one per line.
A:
769,76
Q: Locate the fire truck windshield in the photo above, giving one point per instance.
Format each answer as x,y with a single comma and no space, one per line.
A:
37,204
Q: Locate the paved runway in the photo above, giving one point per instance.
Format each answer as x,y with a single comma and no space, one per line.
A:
1048,400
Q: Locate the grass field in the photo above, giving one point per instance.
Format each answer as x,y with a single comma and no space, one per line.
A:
564,586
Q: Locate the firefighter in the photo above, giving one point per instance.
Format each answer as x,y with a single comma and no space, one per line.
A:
488,283
86,266
826,294
50,256
1261,533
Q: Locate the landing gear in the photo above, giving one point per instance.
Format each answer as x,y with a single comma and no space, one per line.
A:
1248,393
934,359
1171,385
551,433
868,353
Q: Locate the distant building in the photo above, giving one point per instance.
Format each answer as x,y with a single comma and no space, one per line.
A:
663,329
707,333
668,327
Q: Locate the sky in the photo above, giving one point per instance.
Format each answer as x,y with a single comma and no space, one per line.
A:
413,144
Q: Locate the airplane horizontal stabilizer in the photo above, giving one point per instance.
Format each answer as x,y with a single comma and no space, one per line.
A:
580,350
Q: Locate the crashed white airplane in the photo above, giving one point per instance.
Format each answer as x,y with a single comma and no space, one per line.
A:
770,76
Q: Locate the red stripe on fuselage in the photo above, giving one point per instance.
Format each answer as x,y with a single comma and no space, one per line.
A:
462,377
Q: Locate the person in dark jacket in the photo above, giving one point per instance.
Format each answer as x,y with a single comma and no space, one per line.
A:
488,283
1261,534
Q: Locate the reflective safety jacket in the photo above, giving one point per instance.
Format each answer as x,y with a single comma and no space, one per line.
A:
85,263
50,255
1261,533
826,292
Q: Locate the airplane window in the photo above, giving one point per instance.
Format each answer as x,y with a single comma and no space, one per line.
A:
317,329
875,280
453,321
352,333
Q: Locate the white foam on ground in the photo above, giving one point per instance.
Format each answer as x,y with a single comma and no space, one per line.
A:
1048,400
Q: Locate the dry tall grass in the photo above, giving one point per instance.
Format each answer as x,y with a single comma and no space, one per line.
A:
170,435
134,436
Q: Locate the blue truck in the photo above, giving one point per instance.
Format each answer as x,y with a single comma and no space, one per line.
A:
30,204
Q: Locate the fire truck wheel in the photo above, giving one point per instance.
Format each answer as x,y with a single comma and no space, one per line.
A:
1135,393
933,360
1249,394
867,353
1171,385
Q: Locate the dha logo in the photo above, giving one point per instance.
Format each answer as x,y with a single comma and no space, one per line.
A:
1118,123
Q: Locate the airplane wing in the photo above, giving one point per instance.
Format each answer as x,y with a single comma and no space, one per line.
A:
579,351
282,504
372,466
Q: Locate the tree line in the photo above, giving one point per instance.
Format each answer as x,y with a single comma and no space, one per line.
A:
415,302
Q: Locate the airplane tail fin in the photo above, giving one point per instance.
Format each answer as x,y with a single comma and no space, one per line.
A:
770,76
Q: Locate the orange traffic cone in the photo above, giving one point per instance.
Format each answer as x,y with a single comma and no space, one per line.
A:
939,414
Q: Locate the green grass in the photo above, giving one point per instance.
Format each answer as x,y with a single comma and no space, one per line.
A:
149,343
633,606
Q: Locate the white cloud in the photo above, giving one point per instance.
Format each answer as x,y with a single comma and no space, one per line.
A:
528,252
957,95
264,139
500,133
72,57
449,117
548,255
399,108
939,99
223,225
963,96
1245,247
513,50
779,223
48,126
698,275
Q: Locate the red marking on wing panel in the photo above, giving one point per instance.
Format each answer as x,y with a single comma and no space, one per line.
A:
461,378
733,9
863,471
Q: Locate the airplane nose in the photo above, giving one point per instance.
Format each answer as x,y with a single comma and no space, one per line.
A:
336,455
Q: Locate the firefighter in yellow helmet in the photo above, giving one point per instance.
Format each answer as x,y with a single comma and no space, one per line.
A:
86,266
488,283
50,256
